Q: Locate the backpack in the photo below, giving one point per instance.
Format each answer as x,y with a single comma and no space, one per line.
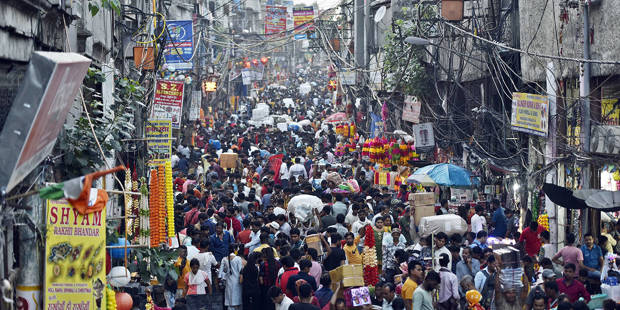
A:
488,289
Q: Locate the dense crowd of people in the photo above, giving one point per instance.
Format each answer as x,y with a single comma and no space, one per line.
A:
252,249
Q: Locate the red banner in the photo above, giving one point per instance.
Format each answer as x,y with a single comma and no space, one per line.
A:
168,101
275,162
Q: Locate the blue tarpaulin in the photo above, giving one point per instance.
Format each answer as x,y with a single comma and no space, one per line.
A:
448,175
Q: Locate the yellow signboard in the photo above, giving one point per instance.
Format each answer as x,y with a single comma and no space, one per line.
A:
530,113
74,258
159,142
610,113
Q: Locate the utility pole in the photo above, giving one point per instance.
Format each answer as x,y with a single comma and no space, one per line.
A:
557,235
584,93
358,22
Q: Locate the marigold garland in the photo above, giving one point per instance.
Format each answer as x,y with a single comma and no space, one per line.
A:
169,199
154,203
161,217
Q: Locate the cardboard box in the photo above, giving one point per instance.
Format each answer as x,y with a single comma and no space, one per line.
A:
422,199
347,271
314,241
510,257
423,211
228,160
353,281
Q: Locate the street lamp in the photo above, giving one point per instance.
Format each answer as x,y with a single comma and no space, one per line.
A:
417,41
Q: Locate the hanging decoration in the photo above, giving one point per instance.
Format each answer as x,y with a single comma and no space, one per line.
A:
389,152
169,199
156,204
135,209
128,203
161,217
144,214
543,220
369,258
110,296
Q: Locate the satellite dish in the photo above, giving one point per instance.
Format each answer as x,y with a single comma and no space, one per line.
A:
380,14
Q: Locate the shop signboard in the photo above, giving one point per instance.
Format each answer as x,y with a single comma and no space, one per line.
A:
348,77
530,113
411,109
168,101
74,258
424,135
275,19
179,44
194,111
610,112
302,19
38,113
159,142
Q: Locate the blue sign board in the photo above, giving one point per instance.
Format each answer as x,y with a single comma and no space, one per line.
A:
179,44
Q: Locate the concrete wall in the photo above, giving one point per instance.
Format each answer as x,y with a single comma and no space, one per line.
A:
553,30
26,25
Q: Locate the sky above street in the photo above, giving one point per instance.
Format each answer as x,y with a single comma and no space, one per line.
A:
323,4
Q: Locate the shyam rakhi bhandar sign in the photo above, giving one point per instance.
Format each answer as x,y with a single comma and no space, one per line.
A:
74,258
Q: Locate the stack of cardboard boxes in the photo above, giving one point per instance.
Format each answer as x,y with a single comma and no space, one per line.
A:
350,275
423,205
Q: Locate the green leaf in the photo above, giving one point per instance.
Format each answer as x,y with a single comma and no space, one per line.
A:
93,8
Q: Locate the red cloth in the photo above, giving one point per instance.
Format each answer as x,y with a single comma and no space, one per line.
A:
274,164
283,281
178,184
532,240
244,238
191,217
574,291
236,225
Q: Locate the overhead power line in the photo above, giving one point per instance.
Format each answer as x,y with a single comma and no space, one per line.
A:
582,60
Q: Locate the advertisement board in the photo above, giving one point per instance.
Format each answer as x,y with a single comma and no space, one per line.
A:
74,258
168,101
159,142
194,111
530,113
275,19
303,19
38,112
348,77
424,135
179,44
411,109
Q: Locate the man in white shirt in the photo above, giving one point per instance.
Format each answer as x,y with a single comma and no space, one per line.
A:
254,236
185,151
206,258
478,222
325,172
298,170
174,160
362,221
284,175
281,301
352,215
440,248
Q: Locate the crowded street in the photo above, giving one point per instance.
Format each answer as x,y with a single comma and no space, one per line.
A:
309,155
